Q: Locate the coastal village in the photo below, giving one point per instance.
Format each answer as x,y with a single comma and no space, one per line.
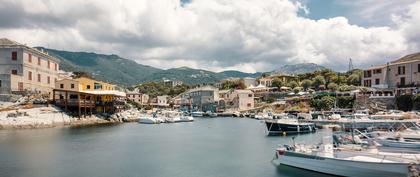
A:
36,93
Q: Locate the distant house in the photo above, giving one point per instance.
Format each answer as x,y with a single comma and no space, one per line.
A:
87,96
139,98
201,99
236,100
163,101
172,83
24,68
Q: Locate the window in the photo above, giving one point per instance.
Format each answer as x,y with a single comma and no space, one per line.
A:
0,83
249,95
401,70
88,87
30,58
39,61
48,64
72,86
14,71
29,75
14,55
377,82
55,66
61,85
48,79
39,77
377,71
367,73
418,68
97,86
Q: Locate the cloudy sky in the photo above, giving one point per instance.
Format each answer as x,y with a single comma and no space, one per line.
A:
246,35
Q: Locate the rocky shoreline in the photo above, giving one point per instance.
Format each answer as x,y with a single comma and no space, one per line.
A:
50,117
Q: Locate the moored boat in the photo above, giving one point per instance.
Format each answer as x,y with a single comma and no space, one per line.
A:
324,158
288,126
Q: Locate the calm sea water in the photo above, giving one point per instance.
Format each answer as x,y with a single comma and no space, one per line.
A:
208,147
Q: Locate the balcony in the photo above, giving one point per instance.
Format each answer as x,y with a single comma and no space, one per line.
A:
380,86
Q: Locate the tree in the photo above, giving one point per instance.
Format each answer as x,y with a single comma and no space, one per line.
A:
292,84
318,81
296,90
79,74
324,103
353,79
405,102
277,83
306,84
333,86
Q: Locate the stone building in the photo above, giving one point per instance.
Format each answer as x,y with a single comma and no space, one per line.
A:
26,69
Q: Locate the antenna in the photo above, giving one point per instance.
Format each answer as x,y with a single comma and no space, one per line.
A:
350,65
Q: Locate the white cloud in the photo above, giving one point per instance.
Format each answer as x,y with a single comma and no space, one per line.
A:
247,35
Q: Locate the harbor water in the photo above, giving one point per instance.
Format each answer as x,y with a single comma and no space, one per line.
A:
207,147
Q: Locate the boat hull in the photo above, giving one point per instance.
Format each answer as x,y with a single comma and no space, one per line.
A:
274,128
342,167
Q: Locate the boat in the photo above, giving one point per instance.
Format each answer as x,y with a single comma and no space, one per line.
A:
410,133
172,116
288,126
210,114
261,116
186,118
197,114
398,142
324,158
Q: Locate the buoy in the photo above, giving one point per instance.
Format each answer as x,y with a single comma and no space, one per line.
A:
284,133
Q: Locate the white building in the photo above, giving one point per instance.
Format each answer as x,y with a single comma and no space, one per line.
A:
163,101
23,68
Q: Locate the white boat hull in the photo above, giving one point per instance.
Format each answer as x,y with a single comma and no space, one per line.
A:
345,167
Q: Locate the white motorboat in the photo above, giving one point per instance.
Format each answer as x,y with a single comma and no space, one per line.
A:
261,116
197,114
149,120
172,116
398,142
410,133
211,114
324,158
186,118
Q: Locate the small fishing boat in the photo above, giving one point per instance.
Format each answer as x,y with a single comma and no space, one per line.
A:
197,114
324,158
288,126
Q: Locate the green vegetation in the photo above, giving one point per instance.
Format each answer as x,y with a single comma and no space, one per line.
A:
306,84
125,72
408,102
322,102
237,84
154,89
405,102
345,101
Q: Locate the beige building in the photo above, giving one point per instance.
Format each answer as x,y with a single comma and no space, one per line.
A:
401,73
26,69
136,96
236,100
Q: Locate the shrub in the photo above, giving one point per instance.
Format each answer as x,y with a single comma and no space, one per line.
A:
405,102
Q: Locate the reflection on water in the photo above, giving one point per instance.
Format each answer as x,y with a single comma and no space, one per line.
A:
207,147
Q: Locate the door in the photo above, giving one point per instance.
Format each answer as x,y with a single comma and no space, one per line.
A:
402,81
20,86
